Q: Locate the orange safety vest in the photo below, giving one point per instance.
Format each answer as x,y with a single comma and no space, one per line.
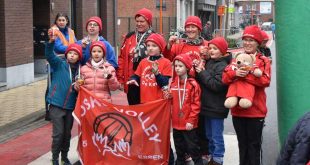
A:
63,38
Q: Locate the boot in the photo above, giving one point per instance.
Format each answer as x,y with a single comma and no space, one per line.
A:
64,159
55,162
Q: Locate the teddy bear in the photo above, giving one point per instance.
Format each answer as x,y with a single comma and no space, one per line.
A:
240,91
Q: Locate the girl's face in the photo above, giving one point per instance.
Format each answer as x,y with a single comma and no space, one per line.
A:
152,49
72,56
93,28
97,53
249,45
61,22
192,31
141,24
214,52
180,68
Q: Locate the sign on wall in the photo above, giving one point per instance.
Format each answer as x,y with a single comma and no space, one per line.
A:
265,7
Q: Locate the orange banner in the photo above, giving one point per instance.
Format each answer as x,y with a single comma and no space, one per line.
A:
115,134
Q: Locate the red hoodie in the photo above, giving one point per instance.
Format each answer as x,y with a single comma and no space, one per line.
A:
259,108
191,106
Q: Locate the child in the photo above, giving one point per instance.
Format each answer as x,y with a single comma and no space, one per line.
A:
99,75
153,72
185,93
61,97
213,96
263,47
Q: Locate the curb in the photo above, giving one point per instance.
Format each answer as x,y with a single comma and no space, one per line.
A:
22,125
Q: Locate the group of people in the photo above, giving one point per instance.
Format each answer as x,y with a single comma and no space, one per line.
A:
193,72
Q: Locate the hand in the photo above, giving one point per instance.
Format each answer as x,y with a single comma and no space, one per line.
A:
52,34
77,86
172,40
132,82
200,67
107,74
189,126
85,42
240,72
203,50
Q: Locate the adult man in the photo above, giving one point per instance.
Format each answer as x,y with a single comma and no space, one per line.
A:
207,33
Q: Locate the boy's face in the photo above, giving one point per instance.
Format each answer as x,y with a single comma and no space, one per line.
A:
180,68
192,31
61,22
72,57
152,49
214,52
97,53
93,28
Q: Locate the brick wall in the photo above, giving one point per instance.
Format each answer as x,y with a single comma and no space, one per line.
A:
2,38
60,6
18,22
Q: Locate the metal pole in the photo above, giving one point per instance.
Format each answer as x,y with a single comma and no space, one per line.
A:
160,16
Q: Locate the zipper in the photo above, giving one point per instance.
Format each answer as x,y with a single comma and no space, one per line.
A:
67,96
53,91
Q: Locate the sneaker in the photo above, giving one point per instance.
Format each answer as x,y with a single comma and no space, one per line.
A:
188,158
65,161
55,162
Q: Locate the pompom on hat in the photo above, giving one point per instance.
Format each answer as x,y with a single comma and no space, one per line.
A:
95,19
194,20
77,48
146,13
158,40
220,43
253,32
100,44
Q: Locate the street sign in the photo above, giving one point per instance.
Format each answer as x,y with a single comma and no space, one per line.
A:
221,10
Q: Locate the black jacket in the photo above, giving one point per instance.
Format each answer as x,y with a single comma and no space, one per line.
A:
296,150
213,90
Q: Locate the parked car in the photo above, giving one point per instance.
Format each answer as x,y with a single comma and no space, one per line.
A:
266,26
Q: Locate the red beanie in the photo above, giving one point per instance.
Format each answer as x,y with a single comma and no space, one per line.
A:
100,44
253,32
220,43
77,48
185,59
146,13
158,40
95,19
194,20
265,35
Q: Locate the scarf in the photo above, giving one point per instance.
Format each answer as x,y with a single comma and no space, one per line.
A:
96,64
196,42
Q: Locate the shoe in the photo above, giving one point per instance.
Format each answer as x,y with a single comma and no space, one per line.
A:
65,161
188,158
55,162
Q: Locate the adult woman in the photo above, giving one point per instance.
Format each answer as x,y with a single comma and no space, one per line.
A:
133,51
193,44
248,123
64,34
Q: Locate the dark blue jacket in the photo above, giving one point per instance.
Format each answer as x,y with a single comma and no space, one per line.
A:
61,92
214,91
110,55
296,150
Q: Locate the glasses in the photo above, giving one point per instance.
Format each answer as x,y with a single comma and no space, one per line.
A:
92,24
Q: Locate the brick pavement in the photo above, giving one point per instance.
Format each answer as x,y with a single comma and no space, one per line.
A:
19,102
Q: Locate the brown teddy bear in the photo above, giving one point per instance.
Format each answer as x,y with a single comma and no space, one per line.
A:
240,90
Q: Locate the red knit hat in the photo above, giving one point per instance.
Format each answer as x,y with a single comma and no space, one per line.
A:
185,59
146,13
158,40
220,43
253,32
100,44
95,19
194,20
77,48
265,35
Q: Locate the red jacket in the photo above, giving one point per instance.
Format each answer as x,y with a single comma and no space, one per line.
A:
191,105
125,58
94,81
183,48
259,108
